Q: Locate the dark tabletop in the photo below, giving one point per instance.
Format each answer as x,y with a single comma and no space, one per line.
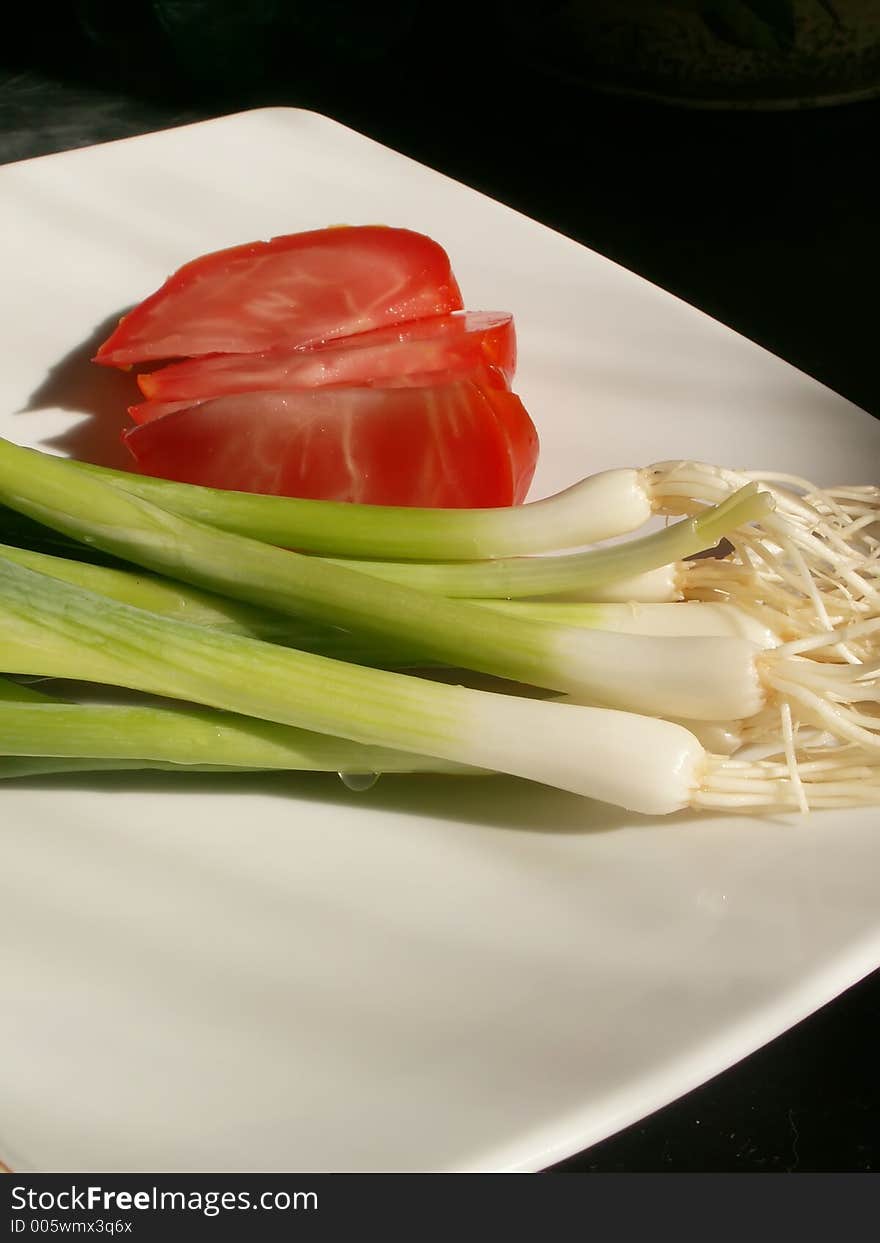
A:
767,220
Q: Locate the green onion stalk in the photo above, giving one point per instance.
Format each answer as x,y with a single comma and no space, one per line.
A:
705,678
52,628
178,600
608,504
40,734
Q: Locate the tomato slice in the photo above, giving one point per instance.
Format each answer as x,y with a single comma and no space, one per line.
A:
443,343
293,291
147,411
447,445
521,436
485,377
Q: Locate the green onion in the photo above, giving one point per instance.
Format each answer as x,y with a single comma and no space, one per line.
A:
185,603
829,537
584,572
33,725
703,678
55,629
641,763
15,693
683,618
151,592
605,505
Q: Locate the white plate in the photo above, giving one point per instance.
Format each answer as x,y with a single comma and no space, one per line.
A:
249,974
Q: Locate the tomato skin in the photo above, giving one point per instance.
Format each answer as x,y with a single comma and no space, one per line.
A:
445,343
521,435
294,291
443,445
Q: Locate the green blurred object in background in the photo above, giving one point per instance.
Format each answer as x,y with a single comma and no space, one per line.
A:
716,53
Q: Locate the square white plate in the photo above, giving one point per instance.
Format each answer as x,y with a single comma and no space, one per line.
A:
248,974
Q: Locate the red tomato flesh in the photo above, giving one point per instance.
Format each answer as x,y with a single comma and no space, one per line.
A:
522,440
484,376
290,292
448,445
147,411
451,343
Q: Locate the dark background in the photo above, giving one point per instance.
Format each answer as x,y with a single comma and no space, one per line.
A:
765,219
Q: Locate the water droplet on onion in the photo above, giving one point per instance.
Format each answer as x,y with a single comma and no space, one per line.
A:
359,781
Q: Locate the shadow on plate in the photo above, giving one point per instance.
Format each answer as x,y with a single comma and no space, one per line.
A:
492,802
101,394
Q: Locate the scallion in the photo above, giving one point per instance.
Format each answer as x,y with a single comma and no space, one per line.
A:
647,765
702,678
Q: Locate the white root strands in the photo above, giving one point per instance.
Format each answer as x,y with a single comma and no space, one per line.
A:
836,541
815,560
841,699
788,612
844,777
824,754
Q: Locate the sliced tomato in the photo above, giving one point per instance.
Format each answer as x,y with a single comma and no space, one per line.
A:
293,291
521,436
484,376
448,445
444,343
146,411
